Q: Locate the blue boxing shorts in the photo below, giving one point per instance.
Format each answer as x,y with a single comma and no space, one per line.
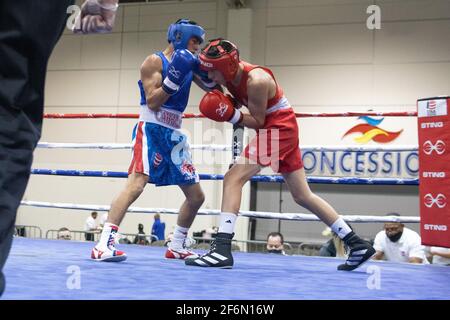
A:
163,154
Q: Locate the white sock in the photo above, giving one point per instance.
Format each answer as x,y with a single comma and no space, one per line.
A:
179,235
227,221
109,229
341,228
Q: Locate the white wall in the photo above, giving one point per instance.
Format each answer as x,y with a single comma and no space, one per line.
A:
327,60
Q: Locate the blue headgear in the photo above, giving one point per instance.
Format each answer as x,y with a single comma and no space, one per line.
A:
181,31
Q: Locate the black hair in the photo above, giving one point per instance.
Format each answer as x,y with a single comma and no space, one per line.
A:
393,214
186,21
276,234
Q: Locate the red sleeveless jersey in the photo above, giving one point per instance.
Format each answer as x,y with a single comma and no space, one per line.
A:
277,144
240,92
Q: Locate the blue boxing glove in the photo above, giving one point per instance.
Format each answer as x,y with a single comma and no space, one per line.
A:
183,62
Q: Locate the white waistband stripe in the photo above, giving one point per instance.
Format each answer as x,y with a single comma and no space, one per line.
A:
283,103
165,117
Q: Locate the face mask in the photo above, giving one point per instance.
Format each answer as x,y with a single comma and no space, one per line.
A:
395,237
275,251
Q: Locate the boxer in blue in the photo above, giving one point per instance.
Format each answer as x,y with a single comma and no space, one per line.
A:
160,151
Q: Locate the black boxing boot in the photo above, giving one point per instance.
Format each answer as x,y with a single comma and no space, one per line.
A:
219,256
360,252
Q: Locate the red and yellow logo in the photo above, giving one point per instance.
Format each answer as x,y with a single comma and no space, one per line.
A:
371,131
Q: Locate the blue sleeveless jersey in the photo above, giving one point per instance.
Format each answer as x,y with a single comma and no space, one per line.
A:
179,100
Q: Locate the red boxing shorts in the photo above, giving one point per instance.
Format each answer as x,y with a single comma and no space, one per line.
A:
277,144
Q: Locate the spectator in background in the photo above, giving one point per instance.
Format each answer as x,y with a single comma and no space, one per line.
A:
90,226
103,219
275,243
21,231
141,238
64,234
399,244
439,255
158,228
334,247
124,241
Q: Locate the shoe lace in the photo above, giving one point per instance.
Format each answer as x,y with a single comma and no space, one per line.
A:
112,239
221,241
213,246
188,242
347,250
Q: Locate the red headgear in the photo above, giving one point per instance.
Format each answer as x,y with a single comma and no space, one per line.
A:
221,55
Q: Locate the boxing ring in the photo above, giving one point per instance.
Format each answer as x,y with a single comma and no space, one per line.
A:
41,269
55,269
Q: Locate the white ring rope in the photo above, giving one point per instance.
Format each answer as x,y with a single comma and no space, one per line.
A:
120,146
250,214
219,147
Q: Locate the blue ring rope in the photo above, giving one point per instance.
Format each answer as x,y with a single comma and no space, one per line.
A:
259,178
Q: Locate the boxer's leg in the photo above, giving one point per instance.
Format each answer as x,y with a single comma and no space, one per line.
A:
220,255
138,177
360,250
233,182
194,200
136,183
303,196
178,248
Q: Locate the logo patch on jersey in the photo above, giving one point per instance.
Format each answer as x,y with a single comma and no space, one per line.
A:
157,159
174,72
188,170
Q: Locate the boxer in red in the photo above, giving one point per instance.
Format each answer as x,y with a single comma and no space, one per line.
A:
276,145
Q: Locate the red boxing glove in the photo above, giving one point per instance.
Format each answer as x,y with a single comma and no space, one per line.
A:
218,107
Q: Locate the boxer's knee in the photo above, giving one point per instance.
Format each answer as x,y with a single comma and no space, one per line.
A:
135,190
137,185
233,179
197,198
303,199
